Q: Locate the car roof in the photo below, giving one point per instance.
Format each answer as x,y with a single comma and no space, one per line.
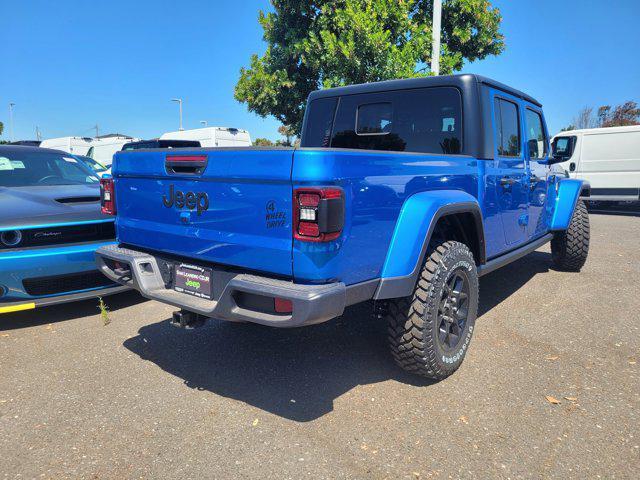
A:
599,131
27,148
461,81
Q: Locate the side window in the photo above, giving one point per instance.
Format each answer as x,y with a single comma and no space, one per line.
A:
423,120
319,123
536,138
508,128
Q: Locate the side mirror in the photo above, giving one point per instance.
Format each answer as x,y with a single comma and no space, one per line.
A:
562,149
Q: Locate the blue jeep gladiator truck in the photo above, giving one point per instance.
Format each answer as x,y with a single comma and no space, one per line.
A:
402,193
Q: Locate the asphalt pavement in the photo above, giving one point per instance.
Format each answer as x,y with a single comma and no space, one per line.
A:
550,387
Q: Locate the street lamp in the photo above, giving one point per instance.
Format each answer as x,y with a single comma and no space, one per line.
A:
437,20
179,100
11,105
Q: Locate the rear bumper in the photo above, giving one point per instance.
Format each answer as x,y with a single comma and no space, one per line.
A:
151,276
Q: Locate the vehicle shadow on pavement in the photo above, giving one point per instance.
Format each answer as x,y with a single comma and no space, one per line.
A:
294,373
298,373
67,311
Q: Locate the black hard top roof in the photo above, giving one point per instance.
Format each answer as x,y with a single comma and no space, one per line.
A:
462,81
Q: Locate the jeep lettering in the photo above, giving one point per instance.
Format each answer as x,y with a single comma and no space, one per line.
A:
191,200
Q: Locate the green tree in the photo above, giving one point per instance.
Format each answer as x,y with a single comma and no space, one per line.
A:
287,133
263,142
1,128
329,43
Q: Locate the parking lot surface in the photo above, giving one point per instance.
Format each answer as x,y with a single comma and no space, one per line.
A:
550,387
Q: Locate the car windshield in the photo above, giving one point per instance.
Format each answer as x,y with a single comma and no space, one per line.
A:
32,168
93,165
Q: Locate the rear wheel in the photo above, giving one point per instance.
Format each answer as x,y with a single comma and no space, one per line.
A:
430,331
569,249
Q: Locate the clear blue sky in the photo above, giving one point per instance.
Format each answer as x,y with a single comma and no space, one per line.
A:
71,64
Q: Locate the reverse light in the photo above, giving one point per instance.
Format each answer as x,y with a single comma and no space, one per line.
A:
308,214
107,196
318,214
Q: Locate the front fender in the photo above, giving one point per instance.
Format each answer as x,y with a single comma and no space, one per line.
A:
567,196
416,222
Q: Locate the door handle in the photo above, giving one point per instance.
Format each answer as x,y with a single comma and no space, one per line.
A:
572,167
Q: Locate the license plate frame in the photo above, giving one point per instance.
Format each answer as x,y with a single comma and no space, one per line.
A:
193,280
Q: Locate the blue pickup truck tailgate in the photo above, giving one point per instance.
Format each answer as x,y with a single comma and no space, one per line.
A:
247,222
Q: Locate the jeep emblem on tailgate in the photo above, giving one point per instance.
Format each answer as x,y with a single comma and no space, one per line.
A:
193,201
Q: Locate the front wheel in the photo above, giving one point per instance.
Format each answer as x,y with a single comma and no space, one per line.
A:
430,331
569,249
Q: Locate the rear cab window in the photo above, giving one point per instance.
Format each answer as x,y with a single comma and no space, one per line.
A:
422,120
319,122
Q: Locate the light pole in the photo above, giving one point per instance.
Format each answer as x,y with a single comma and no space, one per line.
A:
204,123
38,136
11,105
437,20
179,100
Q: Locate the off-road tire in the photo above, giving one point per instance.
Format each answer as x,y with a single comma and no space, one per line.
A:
414,322
569,249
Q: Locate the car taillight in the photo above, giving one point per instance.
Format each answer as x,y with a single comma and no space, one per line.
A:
318,214
107,196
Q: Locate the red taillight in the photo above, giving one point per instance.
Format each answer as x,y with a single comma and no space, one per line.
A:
308,199
107,196
308,229
282,305
318,214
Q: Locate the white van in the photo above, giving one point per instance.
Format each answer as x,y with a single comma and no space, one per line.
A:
75,145
212,136
103,149
608,158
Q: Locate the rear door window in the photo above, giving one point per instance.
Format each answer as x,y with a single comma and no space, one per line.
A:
507,122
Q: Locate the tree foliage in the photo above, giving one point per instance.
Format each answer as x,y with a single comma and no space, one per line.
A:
263,142
329,43
1,128
621,115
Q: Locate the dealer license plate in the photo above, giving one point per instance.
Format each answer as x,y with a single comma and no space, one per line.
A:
193,280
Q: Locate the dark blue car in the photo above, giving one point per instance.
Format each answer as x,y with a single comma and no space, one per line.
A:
50,227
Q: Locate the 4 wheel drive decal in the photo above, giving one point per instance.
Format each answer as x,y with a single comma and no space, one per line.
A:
274,217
